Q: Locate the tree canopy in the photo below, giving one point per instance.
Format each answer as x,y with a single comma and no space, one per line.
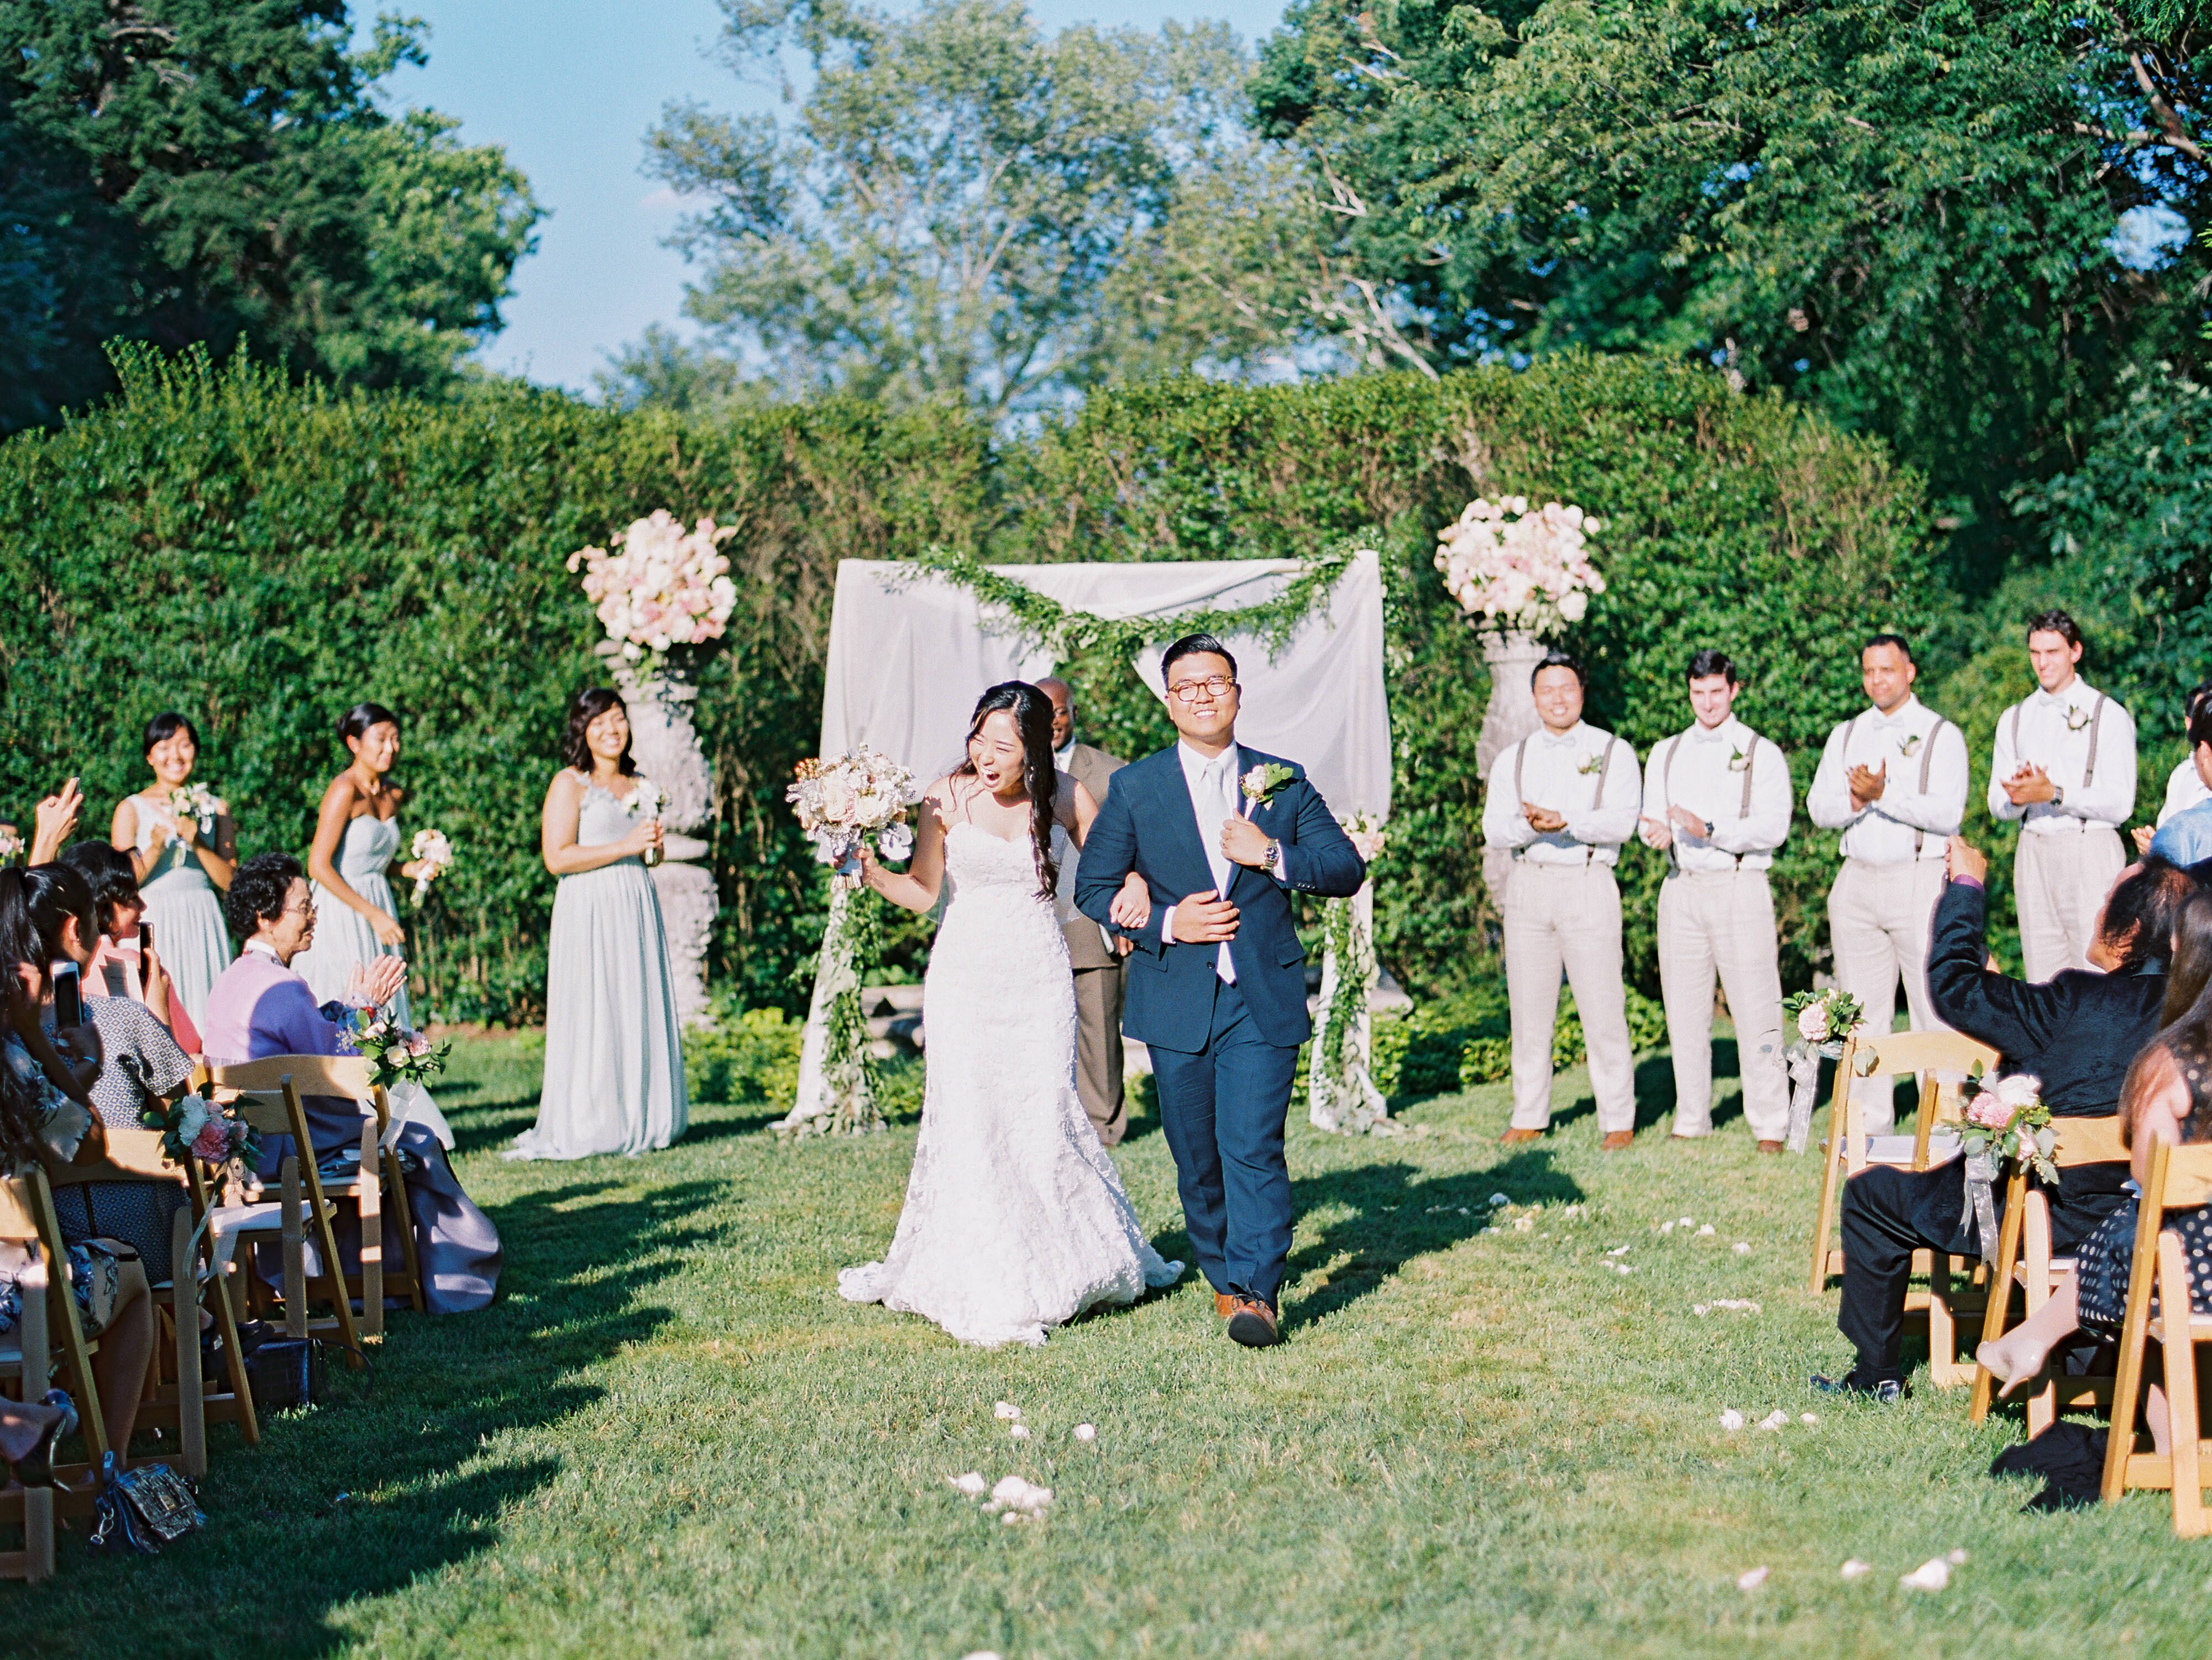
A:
220,172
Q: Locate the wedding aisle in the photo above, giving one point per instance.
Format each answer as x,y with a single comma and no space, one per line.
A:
1494,1430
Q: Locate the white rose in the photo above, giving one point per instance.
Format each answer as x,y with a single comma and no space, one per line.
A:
1813,1022
1573,605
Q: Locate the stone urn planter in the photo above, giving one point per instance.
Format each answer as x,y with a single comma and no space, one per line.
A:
666,748
1512,656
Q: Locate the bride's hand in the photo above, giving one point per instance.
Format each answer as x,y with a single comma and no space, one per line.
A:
872,873
387,928
1132,906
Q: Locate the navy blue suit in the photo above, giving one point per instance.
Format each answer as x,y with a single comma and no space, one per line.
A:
1225,1056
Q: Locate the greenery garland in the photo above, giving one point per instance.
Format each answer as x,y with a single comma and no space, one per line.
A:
852,942
1341,1093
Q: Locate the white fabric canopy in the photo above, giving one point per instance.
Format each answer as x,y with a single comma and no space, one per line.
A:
911,650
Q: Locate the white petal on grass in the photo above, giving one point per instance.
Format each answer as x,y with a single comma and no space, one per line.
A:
1006,1412
1700,1310
1753,1580
1742,1248
1689,1220
1020,1432
1808,1417
1855,1569
1933,1574
1499,1198
982,1654
1523,1224
1777,1418
1957,1559
1705,1230
1017,1498
971,1484
1618,1250
1731,1421
1623,1268
1666,1228
1086,1432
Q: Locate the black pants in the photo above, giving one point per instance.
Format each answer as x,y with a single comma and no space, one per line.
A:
1889,1212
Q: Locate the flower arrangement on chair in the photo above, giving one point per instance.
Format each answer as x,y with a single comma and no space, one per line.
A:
197,1126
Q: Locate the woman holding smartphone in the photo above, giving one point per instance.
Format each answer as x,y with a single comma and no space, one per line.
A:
183,848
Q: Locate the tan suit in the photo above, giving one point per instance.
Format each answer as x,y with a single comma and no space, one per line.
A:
1099,979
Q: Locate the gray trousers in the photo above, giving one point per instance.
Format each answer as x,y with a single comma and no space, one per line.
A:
1567,918
1098,1051
1721,924
2059,882
1878,920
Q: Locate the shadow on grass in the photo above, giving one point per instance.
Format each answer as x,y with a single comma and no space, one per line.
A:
1398,1214
410,1445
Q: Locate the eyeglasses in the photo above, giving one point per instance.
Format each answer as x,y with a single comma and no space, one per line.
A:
304,908
1214,686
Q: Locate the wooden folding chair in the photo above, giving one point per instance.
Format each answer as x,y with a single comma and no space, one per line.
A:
346,1078
28,1363
2023,1258
272,1107
2179,1178
178,1396
1943,1060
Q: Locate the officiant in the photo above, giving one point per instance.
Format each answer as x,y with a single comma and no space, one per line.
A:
1095,958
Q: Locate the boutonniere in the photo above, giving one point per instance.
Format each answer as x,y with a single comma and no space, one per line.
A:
1260,784
1591,763
2076,719
1737,760
1909,747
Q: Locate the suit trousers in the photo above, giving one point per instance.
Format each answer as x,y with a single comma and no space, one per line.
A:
1098,1051
1722,922
1889,1212
1567,916
2059,881
1222,1110
1880,917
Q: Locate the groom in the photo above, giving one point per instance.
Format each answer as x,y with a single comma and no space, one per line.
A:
1217,982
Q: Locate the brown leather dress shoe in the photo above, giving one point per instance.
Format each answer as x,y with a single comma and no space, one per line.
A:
1770,1146
1223,1305
1516,1137
1253,1323
1617,1139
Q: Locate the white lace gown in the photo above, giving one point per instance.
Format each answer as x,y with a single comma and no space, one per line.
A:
1015,1216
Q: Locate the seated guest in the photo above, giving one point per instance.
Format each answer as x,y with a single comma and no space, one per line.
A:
260,1007
124,962
2076,1032
2186,838
2168,1098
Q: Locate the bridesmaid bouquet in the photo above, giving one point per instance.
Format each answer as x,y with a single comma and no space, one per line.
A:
396,1053
851,801
200,1127
195,802
434,853
645,802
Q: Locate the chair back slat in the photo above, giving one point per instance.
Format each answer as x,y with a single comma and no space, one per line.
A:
264,1111
133,1155
19,1223
2088,1141
343,1075
2188,1173
1925,1052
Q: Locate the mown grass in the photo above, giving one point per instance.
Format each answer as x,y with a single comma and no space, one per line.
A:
670,1438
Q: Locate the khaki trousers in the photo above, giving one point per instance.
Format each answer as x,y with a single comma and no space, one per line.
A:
1722,922
2059,882
1567,916
1879,919
1098,1051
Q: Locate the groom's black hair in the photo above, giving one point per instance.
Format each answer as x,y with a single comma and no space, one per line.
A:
1191,645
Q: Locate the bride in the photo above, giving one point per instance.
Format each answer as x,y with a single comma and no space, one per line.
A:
1015,1217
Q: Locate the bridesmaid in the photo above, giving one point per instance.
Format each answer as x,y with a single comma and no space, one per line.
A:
180,863
356,833
614,1069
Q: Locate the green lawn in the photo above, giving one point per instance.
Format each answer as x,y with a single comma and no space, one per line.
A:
670,1438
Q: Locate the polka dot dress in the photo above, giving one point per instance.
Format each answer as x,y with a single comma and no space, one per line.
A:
2106,1258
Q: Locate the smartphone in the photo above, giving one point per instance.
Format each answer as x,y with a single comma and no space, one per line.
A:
68,994
145,937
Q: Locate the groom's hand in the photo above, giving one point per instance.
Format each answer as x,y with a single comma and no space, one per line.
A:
1243,842
1202,919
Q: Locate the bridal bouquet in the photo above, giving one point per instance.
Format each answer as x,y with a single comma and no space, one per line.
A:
396,1053
1520,569
851,801
1819,1022
434,853
660,585
194,801
200,1127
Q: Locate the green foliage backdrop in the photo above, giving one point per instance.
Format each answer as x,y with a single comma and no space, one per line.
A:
262,556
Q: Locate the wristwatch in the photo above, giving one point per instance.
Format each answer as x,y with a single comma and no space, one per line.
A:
1275,853
2057,795
1709,829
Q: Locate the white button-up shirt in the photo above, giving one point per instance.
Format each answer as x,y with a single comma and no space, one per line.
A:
1907,822
2183,789
1215,794
1730,776
2051,730
1585,774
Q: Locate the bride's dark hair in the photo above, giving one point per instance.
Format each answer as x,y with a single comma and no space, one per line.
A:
1032,713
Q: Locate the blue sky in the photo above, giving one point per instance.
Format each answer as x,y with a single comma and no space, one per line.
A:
569,88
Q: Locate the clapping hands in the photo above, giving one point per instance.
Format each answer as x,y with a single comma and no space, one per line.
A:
378,982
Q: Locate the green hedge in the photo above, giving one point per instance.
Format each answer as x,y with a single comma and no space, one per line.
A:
262,556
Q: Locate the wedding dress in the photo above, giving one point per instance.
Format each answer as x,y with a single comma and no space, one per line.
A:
1015,1217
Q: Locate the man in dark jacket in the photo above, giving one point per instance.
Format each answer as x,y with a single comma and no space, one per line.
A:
2077,1032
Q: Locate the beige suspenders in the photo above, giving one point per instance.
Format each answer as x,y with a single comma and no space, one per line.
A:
1743,806
2096,726
1604,772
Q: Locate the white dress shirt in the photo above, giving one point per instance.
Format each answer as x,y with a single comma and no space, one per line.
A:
1585,774
2054,728
1907,822
2183,789
1214,796
1736,781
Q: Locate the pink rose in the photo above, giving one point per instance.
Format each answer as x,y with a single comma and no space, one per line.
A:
1989,1111
212,1144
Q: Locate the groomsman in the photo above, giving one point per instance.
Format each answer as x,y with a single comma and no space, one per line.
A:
1564,801
1098,967
1892,779
1717,800
2065,768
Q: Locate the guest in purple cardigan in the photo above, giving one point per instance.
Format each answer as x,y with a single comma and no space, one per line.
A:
260,1007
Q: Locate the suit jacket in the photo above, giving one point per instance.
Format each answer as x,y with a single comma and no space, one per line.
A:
1094,770
1148,825
2079,1033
